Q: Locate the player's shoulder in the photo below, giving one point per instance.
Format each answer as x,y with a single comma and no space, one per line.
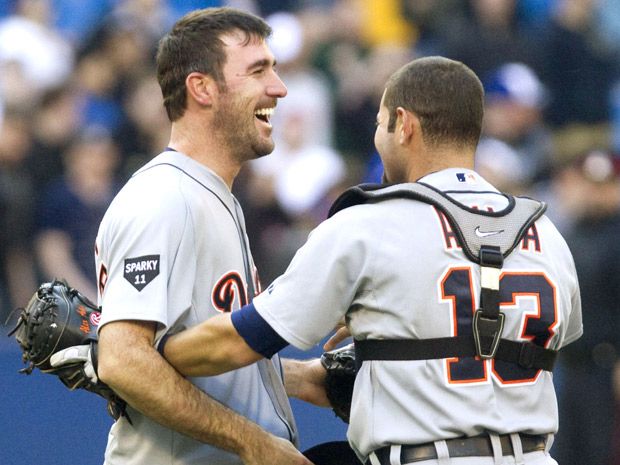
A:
172,175
157,187
153,192
162,173
364,220
549,230
380,207
351,216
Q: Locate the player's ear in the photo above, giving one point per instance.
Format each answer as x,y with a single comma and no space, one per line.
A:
201,88
406,125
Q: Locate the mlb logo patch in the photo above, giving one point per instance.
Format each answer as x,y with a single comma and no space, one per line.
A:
468,178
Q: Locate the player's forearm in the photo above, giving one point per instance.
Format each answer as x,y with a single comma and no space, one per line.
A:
150,385
305,380
208,349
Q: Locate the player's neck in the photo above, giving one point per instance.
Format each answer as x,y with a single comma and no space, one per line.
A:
439,159
208,151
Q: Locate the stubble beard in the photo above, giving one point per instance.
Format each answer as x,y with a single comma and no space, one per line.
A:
239,134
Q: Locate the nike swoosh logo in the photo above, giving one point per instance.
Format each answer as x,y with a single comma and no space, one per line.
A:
480,233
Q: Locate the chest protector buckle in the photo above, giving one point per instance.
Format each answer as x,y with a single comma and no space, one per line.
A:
488,321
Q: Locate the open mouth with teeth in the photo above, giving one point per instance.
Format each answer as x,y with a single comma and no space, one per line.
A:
264,114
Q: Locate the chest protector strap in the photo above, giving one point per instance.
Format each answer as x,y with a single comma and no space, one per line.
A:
486,238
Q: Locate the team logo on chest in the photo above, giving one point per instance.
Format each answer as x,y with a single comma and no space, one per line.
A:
227,289
140,271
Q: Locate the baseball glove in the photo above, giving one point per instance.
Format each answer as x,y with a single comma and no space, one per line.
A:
57,333
339,380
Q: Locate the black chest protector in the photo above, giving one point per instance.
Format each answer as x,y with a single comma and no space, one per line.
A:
486,239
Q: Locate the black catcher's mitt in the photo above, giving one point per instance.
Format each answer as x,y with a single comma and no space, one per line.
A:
332,453
59,320
339,380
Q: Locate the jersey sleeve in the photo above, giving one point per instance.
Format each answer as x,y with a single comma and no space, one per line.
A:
138,242
307,301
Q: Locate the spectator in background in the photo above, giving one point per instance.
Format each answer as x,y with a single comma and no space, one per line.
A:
501,165
578,67
535,14
383,23
514,102
116,58
490,36
71,209
34,57
434,23
6,7
608,15
357,62
17,277
146,127
357,97
591,188
149,18
54,125
180,7
76,20
309,89
97,84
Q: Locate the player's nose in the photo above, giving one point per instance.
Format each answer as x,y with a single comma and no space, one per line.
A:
276,88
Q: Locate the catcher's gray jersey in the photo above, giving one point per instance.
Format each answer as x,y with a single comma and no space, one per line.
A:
172,249
395,270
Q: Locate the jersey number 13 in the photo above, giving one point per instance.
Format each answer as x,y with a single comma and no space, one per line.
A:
536,326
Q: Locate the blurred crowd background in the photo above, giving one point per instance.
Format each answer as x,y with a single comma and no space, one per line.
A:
80,111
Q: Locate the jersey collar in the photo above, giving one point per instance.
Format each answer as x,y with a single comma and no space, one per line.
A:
198,171
458,179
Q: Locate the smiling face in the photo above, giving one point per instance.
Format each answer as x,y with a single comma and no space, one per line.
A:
248,98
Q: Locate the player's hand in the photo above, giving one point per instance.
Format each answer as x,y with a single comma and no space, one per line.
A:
342,333
76,354
305,380
272,450
312,383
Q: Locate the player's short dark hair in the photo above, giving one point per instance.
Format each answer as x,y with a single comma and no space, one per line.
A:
445,95
194,45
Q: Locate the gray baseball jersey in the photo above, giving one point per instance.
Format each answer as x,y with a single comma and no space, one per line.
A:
172,249
395,270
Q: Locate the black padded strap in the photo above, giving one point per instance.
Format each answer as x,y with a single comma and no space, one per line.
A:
525,354
488,322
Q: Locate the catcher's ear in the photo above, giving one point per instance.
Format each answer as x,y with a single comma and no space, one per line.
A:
406,125
201,88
